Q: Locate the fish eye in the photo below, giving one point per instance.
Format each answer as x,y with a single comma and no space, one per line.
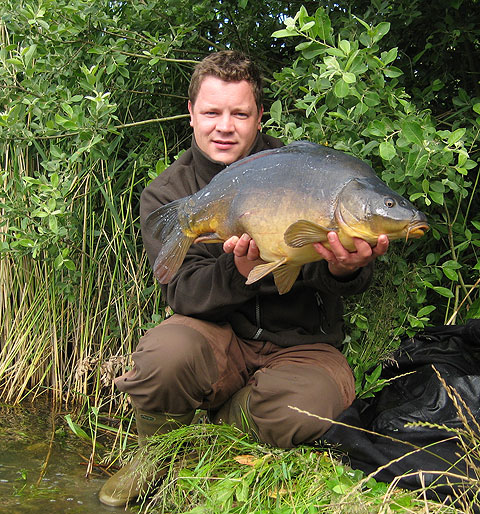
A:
389,202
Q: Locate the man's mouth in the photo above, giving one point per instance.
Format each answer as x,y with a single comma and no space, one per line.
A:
223,144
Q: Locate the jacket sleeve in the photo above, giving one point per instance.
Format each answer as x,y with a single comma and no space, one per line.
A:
208,284
319,277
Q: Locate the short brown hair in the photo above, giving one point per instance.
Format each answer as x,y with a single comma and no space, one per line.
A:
230,66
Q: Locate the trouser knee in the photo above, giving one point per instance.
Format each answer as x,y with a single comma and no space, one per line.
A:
174,369
292,405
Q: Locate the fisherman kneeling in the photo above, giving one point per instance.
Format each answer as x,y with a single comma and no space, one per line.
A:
242,352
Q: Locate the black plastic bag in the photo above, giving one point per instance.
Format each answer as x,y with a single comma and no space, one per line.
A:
420,455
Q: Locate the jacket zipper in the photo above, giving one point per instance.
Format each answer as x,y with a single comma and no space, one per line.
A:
258,333
321,308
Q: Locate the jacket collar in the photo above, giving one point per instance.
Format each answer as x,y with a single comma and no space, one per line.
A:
206,168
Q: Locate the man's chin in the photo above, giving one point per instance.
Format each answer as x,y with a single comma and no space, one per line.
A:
225,156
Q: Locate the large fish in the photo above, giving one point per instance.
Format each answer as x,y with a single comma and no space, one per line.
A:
285,199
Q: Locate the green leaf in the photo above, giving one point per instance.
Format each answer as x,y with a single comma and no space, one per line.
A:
387,150
276,111
349,78
451,264
313,52
53,224
371,98
420,165
15,61
456,136
443,291
341,89
324,25
425,311
392,72
67,108
436,197
123,71
425,185
307,26
69,264
390,56
28,55
450,274
285,32
344,46
412,131
340,489
27,243
380,30
375,375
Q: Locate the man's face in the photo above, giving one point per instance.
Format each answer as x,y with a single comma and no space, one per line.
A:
225,119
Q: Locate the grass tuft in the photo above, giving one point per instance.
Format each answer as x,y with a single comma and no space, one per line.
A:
213,469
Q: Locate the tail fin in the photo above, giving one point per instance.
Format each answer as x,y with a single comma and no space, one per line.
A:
165,227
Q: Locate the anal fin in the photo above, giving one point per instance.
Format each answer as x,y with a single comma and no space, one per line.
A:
285,277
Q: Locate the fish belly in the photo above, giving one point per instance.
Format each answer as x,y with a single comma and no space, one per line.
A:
268,233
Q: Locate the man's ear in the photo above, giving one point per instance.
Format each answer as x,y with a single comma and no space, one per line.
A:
190,110
260,114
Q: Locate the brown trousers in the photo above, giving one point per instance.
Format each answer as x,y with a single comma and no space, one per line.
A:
185,364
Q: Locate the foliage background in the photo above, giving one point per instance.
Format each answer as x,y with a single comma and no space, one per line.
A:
93,98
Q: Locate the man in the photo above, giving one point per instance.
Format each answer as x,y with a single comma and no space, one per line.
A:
244,353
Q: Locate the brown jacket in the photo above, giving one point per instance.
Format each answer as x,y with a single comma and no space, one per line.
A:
208,285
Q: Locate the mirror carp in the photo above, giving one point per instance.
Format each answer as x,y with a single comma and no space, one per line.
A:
286,199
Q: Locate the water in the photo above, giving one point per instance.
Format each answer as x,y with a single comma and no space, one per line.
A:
26,448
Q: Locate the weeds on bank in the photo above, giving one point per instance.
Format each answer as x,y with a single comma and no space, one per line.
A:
212,467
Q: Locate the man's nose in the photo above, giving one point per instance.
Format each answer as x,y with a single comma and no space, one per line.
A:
225,123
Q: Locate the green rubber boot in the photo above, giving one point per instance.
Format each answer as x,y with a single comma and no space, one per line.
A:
236,411
128,483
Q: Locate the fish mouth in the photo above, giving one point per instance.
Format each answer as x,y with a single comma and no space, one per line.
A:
416,229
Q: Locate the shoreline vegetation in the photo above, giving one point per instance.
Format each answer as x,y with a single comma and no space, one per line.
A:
93,107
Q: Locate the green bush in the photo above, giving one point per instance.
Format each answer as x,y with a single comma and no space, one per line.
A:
343,90
94,106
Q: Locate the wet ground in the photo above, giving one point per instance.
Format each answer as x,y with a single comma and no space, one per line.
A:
43,470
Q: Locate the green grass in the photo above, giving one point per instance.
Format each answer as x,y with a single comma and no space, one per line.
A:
216,469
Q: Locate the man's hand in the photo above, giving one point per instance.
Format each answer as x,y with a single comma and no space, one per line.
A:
341,262
245,252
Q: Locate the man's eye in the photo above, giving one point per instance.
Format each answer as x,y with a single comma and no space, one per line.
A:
242,115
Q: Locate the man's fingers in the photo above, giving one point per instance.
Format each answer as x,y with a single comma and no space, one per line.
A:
382,245
230,244
253,252
362,248
324,252
338,250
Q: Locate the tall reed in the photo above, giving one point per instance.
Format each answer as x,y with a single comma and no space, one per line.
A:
67,333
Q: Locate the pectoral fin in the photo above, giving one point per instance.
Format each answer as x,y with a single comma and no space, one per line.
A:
285,277
262,270
211,237
305,232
